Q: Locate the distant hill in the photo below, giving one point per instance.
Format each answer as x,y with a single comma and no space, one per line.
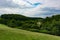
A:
17,17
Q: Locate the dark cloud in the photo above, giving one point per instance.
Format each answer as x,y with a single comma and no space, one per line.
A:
11,4
8,3
48,12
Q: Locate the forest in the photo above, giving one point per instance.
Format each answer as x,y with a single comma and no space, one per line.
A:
49,25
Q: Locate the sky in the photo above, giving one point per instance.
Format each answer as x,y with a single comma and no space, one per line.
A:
30,8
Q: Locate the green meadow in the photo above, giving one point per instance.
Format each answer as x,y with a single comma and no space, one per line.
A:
7,33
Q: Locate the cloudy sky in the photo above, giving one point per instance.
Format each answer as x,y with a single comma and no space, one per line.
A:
31,8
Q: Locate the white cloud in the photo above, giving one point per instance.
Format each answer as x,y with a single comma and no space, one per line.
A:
25,8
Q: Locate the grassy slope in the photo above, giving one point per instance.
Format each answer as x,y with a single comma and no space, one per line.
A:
7,33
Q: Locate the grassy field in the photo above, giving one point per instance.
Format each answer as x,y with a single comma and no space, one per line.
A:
7,33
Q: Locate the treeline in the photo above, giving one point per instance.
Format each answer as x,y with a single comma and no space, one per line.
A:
19,21
50,25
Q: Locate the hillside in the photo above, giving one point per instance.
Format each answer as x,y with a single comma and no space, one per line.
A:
49,25
7,33
18,17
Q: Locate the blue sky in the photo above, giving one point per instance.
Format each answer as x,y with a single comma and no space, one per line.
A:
30,8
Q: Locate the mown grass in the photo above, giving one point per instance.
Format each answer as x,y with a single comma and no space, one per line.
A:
7,33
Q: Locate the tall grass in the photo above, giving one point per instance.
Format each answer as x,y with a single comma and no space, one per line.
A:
7,33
